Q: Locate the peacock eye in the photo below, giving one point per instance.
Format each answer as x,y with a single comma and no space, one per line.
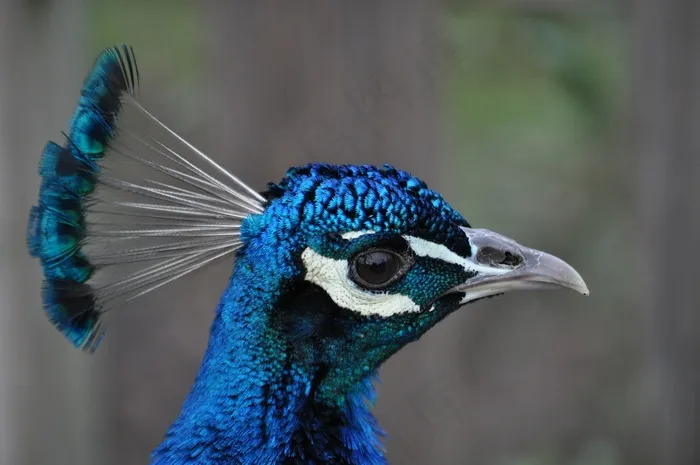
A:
377,268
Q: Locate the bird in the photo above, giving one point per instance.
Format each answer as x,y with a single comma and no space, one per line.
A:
334,269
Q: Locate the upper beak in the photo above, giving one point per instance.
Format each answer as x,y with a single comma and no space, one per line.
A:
504,265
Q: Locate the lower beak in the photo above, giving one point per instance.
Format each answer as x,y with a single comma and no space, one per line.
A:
503,265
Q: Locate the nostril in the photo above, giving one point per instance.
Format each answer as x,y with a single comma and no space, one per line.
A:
512,260
494,257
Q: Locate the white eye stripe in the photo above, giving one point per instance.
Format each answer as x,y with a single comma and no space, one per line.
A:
332,276
424,248
355,234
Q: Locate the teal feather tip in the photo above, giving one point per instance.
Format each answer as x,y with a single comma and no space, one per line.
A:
120,211
69,174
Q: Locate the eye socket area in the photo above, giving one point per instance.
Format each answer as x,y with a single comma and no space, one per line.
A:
377,268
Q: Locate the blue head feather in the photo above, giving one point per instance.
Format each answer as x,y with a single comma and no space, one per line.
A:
287,374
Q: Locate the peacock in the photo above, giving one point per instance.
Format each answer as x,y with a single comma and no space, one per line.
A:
335,268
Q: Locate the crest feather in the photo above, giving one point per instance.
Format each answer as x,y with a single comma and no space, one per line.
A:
122,212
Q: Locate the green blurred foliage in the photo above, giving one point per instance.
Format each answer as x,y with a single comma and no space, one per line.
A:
169,35
166,32
535,103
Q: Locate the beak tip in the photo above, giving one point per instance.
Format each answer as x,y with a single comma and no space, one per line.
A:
584,291
579,285
538,270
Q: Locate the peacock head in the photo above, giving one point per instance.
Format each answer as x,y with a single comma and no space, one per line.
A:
358,261
337,267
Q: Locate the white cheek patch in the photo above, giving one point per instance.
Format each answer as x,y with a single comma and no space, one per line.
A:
424,248
332,276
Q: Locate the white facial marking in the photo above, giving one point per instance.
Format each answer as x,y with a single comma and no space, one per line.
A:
332,276
424,248
355,234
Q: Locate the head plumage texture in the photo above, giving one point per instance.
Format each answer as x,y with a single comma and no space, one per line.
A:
336,199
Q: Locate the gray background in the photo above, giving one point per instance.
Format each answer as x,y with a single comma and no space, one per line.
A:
569,125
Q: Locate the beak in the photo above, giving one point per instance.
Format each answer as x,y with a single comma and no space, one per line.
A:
503,265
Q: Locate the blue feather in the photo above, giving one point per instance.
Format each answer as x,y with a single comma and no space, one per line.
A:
287,382
298,334
57,224
68,170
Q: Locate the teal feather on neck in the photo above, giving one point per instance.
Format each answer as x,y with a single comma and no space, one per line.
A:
256,398
286,377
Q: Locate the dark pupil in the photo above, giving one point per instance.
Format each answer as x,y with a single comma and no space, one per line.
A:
376,267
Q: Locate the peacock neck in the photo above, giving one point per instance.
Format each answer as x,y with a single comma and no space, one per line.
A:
254,400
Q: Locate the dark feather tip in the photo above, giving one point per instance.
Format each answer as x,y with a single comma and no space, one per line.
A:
71,307
67,171
93,126
56,226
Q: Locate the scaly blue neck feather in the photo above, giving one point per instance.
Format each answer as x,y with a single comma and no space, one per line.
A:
255,398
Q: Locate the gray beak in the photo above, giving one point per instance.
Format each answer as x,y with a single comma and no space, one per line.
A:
503,265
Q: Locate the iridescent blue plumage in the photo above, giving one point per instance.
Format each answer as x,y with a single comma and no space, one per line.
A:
341,198
290,368
57,224
68,169
336,268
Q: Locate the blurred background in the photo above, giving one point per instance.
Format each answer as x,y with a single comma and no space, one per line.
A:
569,125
